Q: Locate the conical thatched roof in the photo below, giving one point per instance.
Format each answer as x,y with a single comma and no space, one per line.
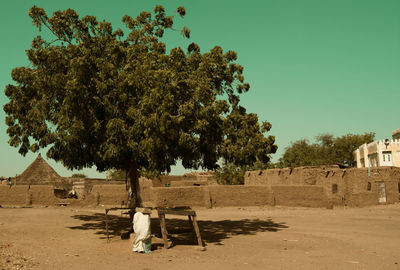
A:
39,173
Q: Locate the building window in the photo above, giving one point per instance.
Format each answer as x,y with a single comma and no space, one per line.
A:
369,186
334,188
387,158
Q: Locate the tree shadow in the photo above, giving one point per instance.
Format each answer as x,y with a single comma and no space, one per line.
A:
180,231
116,224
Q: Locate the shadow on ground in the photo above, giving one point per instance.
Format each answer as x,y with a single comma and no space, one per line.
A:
179,230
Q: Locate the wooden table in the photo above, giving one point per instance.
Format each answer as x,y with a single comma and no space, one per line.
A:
186,211
181,211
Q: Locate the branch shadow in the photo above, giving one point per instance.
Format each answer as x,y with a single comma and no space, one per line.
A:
180,231
116,224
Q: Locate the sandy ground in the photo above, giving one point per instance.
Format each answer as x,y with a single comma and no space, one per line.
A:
236,238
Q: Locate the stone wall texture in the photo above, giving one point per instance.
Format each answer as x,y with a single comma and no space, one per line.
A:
328,185
324,186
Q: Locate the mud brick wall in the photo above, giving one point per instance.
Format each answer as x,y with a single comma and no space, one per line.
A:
358,180
180,196
306,196
41,195
352,187
27,195
240,196
292,176
146,191
110,195
167,179
188,183
15,195
305,186
210,196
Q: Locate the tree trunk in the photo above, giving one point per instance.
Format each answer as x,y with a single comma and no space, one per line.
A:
133,186
133,190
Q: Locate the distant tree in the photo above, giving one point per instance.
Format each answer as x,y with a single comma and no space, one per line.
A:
328,150
300,153
95,98
344,147
114,174
231,174
79,175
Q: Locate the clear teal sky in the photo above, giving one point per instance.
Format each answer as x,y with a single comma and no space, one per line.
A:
314,66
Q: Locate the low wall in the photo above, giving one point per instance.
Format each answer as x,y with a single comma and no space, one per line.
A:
188,183
306,196
211,196
106,195
28,195
15,195
240,196
308,186
41,195
335,186
180,196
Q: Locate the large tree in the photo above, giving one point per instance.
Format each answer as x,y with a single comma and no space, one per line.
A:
327,150
95,97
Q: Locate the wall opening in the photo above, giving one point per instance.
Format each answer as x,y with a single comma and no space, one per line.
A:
399,187
334,188
381,192
369,186
61,193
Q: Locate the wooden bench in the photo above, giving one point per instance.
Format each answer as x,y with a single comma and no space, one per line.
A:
181,211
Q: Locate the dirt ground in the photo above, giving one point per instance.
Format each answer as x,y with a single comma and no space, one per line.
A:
235,238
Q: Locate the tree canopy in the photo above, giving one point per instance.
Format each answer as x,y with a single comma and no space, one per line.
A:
114,174
95,96
327,151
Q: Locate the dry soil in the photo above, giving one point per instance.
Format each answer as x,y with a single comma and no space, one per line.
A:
235,238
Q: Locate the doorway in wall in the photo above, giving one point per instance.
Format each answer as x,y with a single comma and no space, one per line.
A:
381,192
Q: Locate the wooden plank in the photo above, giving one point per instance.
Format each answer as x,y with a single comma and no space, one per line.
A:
144,210
177,212
196,229
190,221
163,229
118,208
107,225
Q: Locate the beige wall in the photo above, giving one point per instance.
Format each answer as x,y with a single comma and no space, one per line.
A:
351,184
303,186
374,152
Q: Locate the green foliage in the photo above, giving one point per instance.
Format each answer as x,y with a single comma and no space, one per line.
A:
79,175
327,151
231,174
114,174
98,96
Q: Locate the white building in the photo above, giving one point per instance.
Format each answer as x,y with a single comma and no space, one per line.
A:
379,153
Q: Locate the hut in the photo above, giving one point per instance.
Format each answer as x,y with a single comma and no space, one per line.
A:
39,172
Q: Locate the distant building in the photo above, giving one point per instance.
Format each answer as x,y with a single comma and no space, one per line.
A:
396,134
39,172
379,153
